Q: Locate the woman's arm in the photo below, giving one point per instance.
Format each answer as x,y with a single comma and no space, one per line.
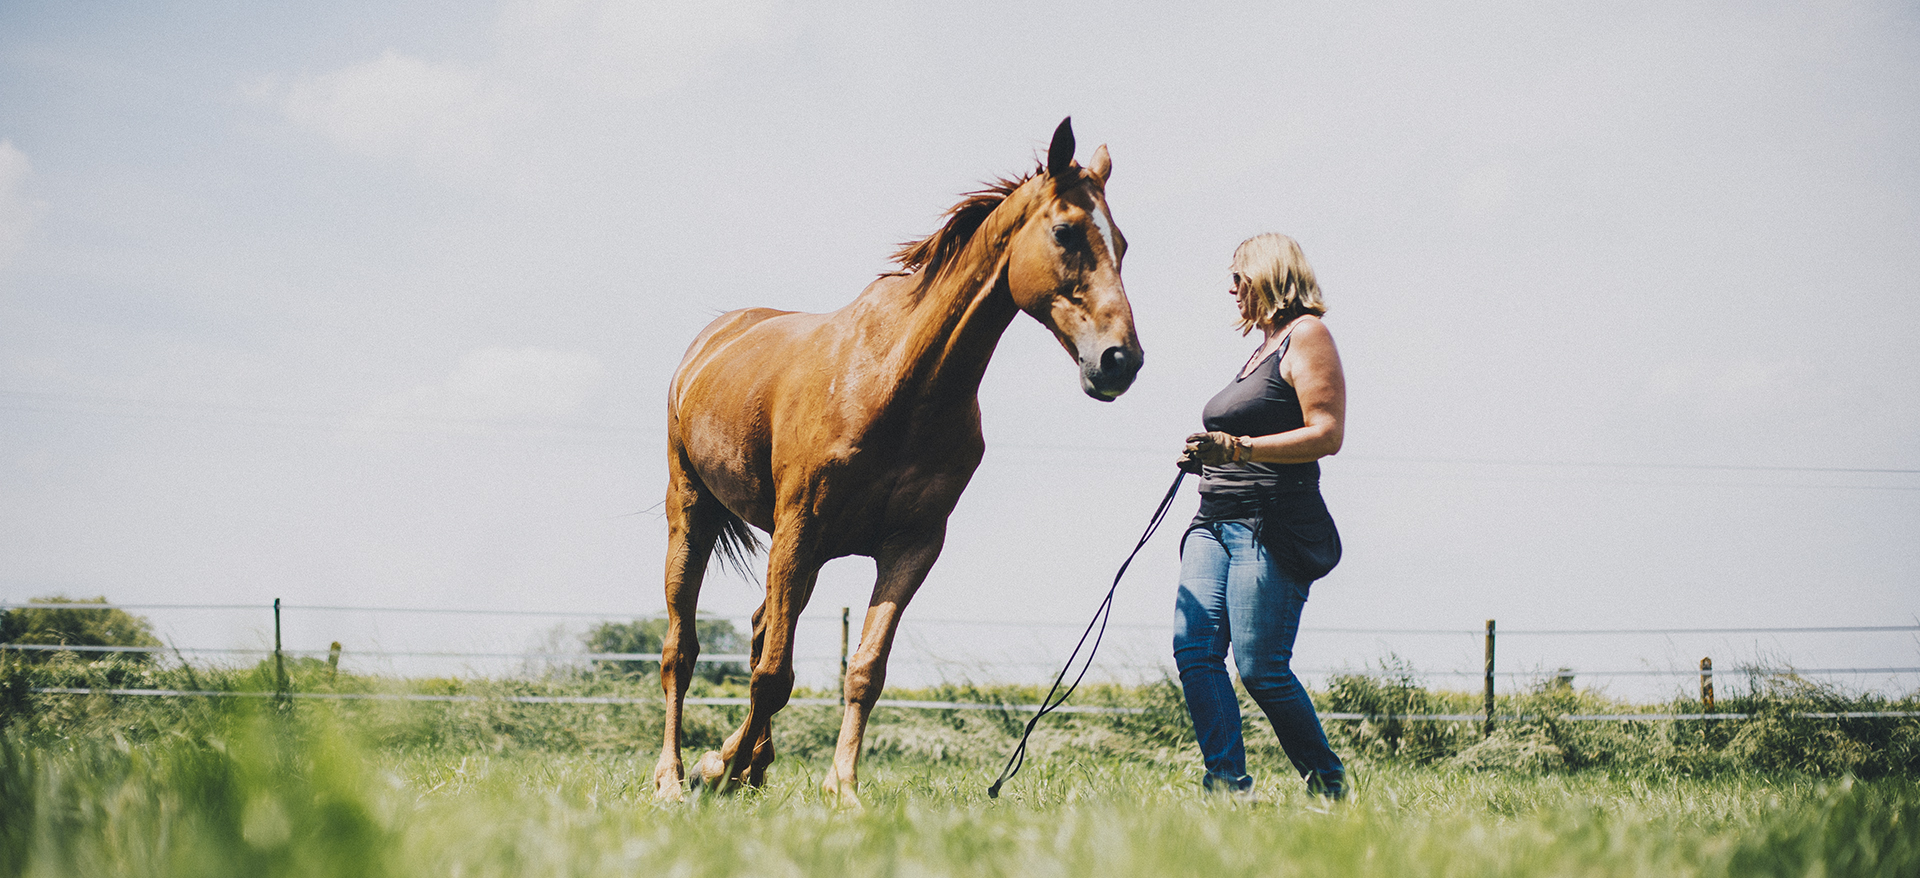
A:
1312,366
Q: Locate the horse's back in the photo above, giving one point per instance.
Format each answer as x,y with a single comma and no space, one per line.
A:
716,346
753,337
724,329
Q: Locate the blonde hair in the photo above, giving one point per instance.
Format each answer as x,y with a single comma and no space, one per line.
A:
1276,274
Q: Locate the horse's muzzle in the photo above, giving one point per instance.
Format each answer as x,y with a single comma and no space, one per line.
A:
1109,376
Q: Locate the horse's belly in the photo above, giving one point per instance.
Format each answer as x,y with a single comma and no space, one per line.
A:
736,476
913,501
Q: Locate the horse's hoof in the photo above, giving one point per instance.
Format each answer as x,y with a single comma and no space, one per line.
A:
710,772
667,783
842,794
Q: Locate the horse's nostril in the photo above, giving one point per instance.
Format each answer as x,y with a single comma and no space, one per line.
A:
1116,362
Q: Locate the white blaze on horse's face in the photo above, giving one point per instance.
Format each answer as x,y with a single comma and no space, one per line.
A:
1104,226
1064,269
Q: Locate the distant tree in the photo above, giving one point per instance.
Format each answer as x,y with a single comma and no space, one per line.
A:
53,626
716,636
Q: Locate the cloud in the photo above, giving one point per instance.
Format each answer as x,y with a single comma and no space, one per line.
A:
444,118
556,64
18,212
624,49
503,384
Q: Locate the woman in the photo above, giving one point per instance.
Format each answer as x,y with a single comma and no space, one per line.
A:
1262,535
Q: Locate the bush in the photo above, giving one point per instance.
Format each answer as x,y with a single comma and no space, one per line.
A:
1543,709
1781,735
1386,698
649,635
1782,732
1513,749
51,626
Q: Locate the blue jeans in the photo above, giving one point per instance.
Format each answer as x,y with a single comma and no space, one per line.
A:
1231,592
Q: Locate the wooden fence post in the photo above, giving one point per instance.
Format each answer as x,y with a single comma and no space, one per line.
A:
846,624
1487,728
279,659
1706,683
333,660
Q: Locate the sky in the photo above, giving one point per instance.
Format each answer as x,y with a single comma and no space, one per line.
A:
375,304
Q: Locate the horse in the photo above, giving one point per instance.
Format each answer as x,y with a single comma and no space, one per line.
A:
854,433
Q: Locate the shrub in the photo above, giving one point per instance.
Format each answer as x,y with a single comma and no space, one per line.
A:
1543,709
55,626
1386,697
649,635
1513,749
1781,735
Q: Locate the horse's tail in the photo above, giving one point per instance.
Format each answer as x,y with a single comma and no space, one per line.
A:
738,545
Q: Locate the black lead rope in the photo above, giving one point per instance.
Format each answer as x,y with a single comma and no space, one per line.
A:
1096,629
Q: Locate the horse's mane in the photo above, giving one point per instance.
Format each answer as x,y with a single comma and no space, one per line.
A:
934,251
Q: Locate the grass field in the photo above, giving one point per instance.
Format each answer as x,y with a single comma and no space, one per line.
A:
105,786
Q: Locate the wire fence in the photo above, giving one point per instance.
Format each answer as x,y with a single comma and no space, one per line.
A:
731,658
550,658
911,705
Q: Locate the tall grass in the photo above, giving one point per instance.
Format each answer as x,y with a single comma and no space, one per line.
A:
272,796
143,786
1779,735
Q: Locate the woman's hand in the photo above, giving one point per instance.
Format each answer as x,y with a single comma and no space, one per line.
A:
1216,448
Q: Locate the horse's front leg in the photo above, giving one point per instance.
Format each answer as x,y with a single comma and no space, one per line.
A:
792,568
902,566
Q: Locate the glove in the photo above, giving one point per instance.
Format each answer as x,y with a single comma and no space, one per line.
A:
1188,463
1216,448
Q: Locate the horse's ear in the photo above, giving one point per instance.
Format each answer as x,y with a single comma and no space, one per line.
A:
1060,154
1102,164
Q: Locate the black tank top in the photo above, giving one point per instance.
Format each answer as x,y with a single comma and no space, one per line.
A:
1260,404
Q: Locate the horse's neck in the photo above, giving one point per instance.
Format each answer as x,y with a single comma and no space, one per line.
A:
954,324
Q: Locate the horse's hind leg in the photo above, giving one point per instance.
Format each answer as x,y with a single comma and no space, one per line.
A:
711,769
694,520
763,748
792,570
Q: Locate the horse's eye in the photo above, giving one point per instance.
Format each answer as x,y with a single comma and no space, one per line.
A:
1066,235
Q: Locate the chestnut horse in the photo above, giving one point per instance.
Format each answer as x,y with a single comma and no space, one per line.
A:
853,433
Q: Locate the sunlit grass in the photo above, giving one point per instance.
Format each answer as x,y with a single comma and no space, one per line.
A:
98,786
270,796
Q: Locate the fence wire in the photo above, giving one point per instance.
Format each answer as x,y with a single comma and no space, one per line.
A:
1160,667
734,658
650,614
922,705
